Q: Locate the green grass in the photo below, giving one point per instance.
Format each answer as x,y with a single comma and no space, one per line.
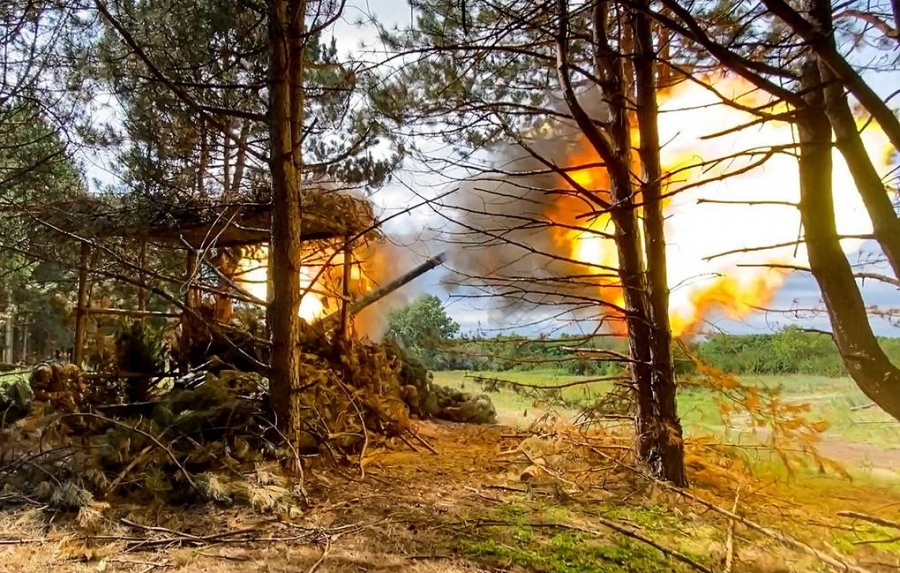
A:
516,543
519,410
831,399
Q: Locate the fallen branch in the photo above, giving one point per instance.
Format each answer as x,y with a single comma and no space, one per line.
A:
21,541
180,537
149,436
547,470
137,459
863,407
877,541
869,518
777,535
422,441
157,529
322,557
729,541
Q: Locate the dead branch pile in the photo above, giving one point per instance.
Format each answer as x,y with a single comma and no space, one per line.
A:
214,440
426,399
211,442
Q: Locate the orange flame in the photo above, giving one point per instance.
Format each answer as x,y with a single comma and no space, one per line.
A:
321,278
717,158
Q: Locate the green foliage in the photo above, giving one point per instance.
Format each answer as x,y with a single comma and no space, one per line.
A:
140,348
422,326
571,553
218,54
790,351
463,78
35,169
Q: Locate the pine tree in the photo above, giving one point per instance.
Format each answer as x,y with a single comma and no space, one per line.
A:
489,76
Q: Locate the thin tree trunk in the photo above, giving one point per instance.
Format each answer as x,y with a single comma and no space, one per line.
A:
668,444
666,75
226,161
188,323
283,315
241,159
142,290
227,257
296,45
24,350
230,257
8,336
82,305
226,262
864,358
895,8
204,158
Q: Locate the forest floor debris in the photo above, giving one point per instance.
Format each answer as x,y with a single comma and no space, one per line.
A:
214,441
493,499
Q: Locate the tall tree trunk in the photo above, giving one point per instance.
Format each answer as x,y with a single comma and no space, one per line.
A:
885,224
613,145
10,320
829,55
24,349
82,303
226,160
640,333
667,440
203,163
864,358
227,261
229,257
241,158
284,308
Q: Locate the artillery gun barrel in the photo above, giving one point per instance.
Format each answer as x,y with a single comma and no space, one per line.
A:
371,298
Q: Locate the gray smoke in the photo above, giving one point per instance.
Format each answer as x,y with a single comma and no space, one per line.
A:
508,227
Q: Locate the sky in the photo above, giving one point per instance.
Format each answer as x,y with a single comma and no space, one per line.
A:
413,182
799,292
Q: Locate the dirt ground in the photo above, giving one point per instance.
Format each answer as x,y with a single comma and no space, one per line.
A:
480,504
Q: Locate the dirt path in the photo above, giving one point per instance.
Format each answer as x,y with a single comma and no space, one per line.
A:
884,460
473,508
386,522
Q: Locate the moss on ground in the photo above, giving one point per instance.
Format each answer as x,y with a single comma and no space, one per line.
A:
534,538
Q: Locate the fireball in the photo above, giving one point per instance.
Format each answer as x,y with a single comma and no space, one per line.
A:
731,187
321,277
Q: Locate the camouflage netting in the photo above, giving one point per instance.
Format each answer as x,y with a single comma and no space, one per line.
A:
426,399
215,440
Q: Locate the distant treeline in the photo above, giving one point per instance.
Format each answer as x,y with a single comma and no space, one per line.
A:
790,351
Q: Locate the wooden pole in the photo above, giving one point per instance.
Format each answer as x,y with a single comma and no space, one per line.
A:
142,292
187,334
81,310
345,285
8,337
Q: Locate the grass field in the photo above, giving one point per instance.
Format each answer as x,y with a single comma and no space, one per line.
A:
836,400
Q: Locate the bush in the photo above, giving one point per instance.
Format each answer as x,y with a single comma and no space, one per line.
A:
790,351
